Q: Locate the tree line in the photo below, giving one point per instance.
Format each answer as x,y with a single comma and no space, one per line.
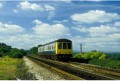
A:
6,50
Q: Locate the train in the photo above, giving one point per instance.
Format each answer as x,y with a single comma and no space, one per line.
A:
60,49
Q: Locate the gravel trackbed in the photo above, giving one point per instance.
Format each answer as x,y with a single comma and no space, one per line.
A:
41,72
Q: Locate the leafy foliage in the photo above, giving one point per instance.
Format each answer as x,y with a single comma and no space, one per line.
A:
91,55
114,64
101,59
114,56
78,56
12,52
4,49
16,53
34,50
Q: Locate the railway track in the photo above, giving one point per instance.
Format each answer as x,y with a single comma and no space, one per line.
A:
74,69
115,74
67,75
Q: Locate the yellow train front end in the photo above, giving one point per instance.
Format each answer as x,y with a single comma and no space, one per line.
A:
64,49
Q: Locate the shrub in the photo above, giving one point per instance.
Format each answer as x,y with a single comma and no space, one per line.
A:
114,64
78,56
91,55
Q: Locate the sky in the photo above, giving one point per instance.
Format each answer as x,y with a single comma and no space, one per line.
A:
94,24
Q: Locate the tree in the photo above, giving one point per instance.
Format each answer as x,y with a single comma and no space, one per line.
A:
17,53
34,50
4,49
103,56
13,52
39,45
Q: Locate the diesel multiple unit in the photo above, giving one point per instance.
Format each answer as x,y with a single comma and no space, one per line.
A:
58,49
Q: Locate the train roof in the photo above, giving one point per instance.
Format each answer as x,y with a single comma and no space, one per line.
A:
59,40
63,40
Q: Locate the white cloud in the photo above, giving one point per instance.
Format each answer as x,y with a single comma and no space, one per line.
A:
115,36
43,33
101,30
33,6
93,16
63,0
62,21
80,28
47,30
23,41
48,7
28,6
15,11
26,41
37,22
106,43
68,1
1,5
10,28
117,24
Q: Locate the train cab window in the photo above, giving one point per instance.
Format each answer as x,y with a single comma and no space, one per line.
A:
59,45
64,45
69,45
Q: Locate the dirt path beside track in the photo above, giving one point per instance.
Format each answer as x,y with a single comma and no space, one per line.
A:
41,72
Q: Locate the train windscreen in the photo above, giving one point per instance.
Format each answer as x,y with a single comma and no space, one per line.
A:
64,45
69,45
59,45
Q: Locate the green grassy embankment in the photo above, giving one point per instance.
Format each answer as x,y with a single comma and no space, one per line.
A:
14,68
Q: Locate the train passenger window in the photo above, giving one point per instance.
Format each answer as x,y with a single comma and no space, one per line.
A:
59,45
49,47
64,45
69,46
52,47
39,49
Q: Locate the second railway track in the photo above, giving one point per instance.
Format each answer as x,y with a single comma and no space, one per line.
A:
115,74
73,70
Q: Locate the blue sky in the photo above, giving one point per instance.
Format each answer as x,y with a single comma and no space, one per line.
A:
95,24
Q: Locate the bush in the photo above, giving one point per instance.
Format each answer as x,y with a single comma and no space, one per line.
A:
16,53
91,55
78,56
114,56
114,64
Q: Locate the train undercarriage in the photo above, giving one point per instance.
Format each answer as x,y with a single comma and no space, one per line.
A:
59,57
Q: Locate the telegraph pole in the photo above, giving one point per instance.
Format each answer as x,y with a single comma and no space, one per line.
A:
81,48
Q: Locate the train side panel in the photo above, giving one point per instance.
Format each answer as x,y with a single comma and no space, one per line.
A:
47,49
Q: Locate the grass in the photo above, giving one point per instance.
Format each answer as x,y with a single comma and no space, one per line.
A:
14,68
8,68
